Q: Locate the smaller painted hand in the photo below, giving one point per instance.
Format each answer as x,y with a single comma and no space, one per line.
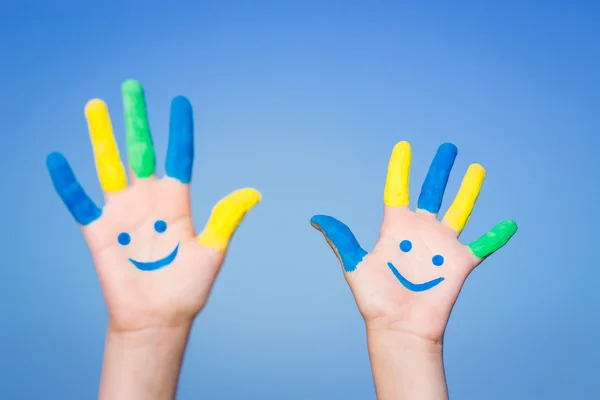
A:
154,271
411,279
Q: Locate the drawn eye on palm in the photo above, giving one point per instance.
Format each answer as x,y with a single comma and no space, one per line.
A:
416,251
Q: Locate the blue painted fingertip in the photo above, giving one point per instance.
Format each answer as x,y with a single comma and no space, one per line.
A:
160,226
405,246
437,260
434,186
81,207
341,239
124,238
180,151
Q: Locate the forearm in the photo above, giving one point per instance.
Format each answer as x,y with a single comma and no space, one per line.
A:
143,365
406,367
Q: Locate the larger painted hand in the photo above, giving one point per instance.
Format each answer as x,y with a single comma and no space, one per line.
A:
154,270
411,279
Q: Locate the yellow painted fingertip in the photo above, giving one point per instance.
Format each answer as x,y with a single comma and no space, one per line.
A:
226,216
110,169
398,177
459,212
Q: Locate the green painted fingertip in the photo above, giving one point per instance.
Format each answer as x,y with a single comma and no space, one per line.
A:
140,149
494,239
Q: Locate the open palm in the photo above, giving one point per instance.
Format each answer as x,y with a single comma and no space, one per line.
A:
411,279
154,270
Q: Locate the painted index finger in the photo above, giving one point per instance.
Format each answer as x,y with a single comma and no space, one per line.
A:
180,153
398,176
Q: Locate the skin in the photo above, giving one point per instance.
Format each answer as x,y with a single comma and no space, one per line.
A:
150,312
405,329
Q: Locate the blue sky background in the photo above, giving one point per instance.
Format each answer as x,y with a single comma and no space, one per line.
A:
305,100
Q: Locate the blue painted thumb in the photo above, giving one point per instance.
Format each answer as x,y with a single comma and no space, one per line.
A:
341,239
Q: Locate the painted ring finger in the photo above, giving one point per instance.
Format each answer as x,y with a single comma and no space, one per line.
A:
109,166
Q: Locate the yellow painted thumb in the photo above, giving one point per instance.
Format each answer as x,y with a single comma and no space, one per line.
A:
226,215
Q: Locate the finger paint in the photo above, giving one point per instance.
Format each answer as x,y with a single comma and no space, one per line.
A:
414,287
396,185
81,207
459,212
494,239
109,167
434,186
140,149
437,260
154,265
160,226
226,216
341,239
405,246
180,153
124,238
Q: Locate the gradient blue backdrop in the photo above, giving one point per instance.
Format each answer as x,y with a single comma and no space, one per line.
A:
305,100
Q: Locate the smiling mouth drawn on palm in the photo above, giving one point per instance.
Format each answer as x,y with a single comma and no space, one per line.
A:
152,265
437,260
159,226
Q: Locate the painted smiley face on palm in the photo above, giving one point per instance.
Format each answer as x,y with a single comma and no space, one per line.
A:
226,215
396,197
437,260
160,227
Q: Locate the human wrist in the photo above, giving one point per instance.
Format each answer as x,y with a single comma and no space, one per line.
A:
405,340
150,336
153,348
143,364
406,366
